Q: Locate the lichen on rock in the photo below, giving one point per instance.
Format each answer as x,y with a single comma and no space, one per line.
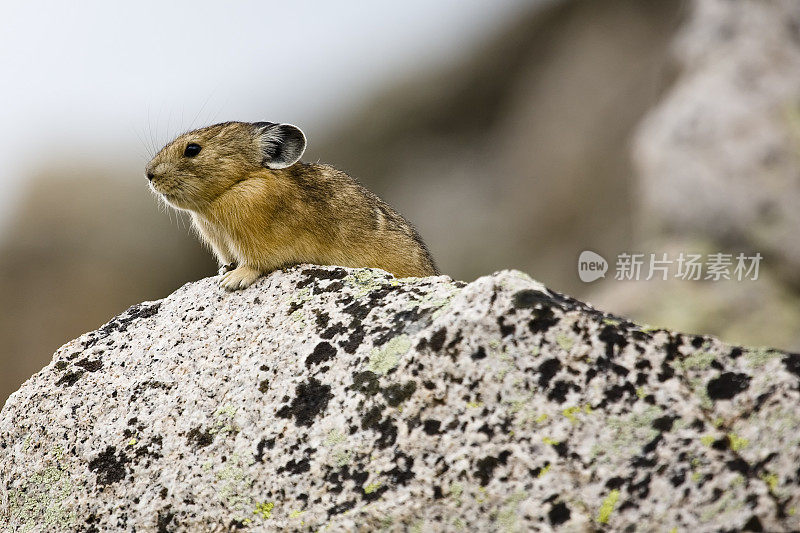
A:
422,404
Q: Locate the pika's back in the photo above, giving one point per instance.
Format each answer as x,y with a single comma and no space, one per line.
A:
257,206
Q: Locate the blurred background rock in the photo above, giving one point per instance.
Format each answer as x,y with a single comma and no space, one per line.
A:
541,130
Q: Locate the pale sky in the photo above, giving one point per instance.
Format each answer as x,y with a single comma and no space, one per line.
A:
102,78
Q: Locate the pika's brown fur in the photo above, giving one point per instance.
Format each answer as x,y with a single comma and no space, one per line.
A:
256,206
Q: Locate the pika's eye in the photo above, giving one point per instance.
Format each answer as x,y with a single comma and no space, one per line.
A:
192,149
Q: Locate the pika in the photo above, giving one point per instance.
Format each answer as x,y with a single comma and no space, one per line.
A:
259,208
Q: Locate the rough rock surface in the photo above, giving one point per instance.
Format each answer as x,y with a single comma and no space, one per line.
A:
338,399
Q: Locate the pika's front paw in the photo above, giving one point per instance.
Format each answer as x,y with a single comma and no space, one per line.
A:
239,278
224,269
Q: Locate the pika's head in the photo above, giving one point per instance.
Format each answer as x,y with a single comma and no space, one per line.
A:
196,168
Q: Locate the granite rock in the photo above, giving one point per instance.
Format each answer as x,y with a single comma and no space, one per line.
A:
324,398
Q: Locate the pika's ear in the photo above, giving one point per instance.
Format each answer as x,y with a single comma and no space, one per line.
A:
282,145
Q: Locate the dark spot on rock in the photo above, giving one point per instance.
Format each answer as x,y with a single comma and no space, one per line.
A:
543,320
164,493
353,341
403,471
561,449
525,299
672,346
697,341
263,387
505,329
430,385
558,513
396,394
754,524
664,423
667,372
485,469
335,329
678,479
651,446
547,370
70,378
61,365
341,508
736,353
486,430
200,438
91,366
296,467
371,418
109,467
387,433
615,392
612,337
374,494
120,323
727,385
642,488
267,444
437,492
480,353
431,426
322,352
164,519
792,362
437,339
152,449
739,465
323,273
311,399
560,390
367,383
614,483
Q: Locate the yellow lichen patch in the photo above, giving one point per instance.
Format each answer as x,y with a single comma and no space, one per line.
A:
132,442
474,405
372,487
224,421
296,514
707,440
607,507
264,510
366,281
39,501
771,480
507,515
544,470
569,412
565,342
551,442
640,393
334,437
342,457
456,490
696,361
384,359
736,442
758,357
541,418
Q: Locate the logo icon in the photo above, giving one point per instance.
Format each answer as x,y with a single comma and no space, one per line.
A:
591,266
